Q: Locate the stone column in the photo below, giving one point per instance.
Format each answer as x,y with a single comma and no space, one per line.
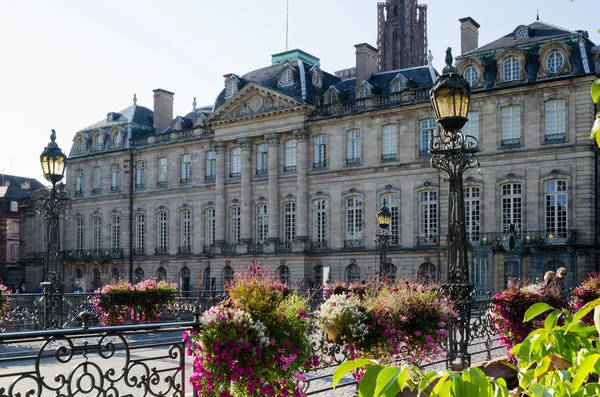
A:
246,193
273,189
301,136
220,199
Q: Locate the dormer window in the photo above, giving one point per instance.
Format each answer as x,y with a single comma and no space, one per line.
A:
397,86
472,75
99,143
231,88
555,62
512,69
287,77
118,140
330,97
316,78
521,32
81,146
364,92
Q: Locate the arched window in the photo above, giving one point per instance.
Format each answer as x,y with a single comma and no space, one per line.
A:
318,274
99,142
287,77
330,97
114,275
139,274
397,86
352,273
118,140
78,273
472,75
206,280
388,271
512,69
227,275
284,274
96,281
161,274
81,146
427,273
184,279
364,92
555,62
231,88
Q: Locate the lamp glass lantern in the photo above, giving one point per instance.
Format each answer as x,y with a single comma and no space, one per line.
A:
384,216
53,161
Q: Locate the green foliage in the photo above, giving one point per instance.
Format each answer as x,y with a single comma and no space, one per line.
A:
559,359
595,92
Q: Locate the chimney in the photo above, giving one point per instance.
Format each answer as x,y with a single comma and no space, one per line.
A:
163,109
469,34
366,62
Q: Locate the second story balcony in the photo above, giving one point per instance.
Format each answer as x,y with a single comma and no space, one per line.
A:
354,243
528,238
93,254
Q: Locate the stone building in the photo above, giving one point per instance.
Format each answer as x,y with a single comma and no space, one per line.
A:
14,193
290,165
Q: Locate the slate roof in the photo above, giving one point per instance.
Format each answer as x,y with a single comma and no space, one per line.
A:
17,181
418,77
540,33
268,77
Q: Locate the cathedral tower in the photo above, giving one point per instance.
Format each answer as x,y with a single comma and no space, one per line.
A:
401,34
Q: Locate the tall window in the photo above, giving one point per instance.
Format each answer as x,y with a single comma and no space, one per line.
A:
555,120
320,223
97,181
96,279
162,245
354,220
389,150
115,232
289,217
139,274
79,234
162,171
96,233
511,125
184,279
211,165
511,205
186,163
140,234
472,75
262,157
352,273
556,208
186,231
512,270
262,223
235,225
320,142
353,147
472,126
363,92
161,274
115,178
391,201
290,155
78,182
209,226
284,274
318,274
228,275
427,131
140,174
426,273
428,217
236,162
114,272
472,217
512,69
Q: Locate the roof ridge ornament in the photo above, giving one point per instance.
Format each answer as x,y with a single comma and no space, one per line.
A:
430,58
134,99
194,104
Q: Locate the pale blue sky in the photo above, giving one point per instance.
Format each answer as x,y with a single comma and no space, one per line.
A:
66,63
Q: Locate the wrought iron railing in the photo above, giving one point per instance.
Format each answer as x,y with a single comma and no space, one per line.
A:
93,254
283,247
353,243
255,248
228,248
527,237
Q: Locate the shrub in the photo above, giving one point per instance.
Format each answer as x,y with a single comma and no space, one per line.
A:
588,291
4,302
256,343
510,305
143,302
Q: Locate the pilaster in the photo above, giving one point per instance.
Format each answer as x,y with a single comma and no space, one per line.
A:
273,187
301,136
221,199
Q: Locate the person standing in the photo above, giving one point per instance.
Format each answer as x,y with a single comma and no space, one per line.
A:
561,274
549,277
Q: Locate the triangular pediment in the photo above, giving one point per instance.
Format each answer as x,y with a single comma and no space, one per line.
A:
255,100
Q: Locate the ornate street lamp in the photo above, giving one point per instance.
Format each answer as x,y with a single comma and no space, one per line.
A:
51,204
382,236
454,152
